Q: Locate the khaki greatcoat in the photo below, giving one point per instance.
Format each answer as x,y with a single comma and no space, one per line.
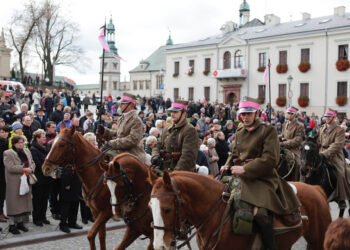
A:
331,140
16,204
128,135
258,147
188,146
292,137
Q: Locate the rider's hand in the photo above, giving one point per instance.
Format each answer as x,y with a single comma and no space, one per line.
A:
28,171
238,170
156,160
223,168
100,129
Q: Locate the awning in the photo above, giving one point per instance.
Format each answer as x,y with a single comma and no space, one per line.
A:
230,73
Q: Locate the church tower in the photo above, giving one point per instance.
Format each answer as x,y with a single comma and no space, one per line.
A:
5,58
111,78
244,12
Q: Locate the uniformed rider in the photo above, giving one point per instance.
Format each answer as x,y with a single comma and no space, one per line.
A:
254,158
291,139
177,147
130,130
331,140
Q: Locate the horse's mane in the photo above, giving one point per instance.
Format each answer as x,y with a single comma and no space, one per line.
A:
129,159
194,177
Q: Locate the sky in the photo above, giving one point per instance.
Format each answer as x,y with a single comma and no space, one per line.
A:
143,26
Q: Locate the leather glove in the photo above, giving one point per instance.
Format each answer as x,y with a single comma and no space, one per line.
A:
100,130
323,158
156,160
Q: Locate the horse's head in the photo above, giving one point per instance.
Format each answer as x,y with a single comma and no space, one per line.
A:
61,153
309,156
167,210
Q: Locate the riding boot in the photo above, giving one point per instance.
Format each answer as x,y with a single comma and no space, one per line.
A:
263,221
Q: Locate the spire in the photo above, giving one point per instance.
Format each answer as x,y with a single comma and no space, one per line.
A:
169,41
244,11
2,39
110,32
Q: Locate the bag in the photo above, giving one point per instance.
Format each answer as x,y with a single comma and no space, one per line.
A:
32,179
24,187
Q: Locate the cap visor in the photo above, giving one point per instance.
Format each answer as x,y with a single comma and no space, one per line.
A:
174,109
247,110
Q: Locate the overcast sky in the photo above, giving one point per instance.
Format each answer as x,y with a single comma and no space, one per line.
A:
142,26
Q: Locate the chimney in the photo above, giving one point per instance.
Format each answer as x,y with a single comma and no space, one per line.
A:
271,19
229,26
339,11
305,16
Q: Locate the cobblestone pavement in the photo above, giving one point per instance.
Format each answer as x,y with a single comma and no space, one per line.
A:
115,236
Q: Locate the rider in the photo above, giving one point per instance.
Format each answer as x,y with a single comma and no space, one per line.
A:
292,137
331,140
254,158
130,130
177,147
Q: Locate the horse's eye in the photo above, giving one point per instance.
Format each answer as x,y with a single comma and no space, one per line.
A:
167,210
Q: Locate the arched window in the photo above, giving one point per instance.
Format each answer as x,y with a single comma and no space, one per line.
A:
238,59
227,60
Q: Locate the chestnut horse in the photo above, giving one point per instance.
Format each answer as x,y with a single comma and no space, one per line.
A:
126,178
181,195
71,150
338,235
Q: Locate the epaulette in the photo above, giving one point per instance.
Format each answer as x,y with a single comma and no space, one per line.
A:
240,126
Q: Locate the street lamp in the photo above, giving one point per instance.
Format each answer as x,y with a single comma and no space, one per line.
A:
290,93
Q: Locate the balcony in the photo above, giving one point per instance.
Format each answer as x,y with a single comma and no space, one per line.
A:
230,73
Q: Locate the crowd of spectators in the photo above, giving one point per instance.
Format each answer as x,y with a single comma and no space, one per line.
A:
25,136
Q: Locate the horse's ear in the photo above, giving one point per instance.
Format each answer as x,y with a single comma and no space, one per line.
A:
115,164
104,166
166,178
63,125
152,177
73,128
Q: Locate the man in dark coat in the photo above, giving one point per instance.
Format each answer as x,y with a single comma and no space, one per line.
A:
41,118
4,132
9,115
49,105
57,115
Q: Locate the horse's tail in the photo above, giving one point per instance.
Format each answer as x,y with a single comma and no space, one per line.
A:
315,207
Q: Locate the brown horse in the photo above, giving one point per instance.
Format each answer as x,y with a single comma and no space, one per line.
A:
188,195
127,181
338,235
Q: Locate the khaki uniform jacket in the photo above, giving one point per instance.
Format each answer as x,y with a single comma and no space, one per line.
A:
331,140
128,136
261,185
292,137
188,147
16,204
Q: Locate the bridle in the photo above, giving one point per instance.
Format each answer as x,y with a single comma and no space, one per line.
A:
179,228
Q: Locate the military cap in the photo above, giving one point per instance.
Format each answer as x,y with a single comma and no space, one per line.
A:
330,112
178,105
128,98
292,110
248,105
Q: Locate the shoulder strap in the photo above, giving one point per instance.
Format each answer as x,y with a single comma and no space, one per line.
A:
179,137
262,138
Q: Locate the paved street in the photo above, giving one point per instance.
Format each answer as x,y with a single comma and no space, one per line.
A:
114,237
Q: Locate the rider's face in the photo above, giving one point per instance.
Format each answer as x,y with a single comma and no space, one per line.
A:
290,116
248,118
175,116
328,119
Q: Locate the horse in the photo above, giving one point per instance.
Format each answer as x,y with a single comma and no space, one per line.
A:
126,178
71,150
317,170
287,164
338,235
198,198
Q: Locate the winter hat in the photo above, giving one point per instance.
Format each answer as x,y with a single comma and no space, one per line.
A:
16,125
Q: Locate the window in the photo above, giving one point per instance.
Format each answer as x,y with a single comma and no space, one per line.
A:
176,93
262,59
148,84
342,89
283,57
261,91
141,84
207,64
304,89
177,67
159,81
207,93
343,51
115,83
105,65
282,90
104,85
227,60
305,56
190,93
115,65
135,85
238,59
191,66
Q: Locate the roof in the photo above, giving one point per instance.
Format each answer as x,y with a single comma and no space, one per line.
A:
87,86
155,62
281,29
57,78
253,23
244,6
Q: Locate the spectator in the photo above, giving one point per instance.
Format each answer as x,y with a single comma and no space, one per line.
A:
154,131
57,115
89,123
27,128
17,130
9,116
75,109
221,148
17,161
41,189
36,99
228,129
148,122
202,158
41,118
150,142
66,120
213,157
24,110
50,131
86,102
49,105
4,106
4,132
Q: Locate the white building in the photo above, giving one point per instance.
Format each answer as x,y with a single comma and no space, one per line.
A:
5,57
224,67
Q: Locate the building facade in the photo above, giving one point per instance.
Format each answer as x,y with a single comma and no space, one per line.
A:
312,53
5,58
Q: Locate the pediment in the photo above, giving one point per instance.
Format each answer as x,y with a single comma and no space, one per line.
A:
232,41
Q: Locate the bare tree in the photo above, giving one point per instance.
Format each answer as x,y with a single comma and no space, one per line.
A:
56,39
22,28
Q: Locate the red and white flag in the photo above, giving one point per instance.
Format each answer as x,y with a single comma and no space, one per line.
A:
104,44
266,74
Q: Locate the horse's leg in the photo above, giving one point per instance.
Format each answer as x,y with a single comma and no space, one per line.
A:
129,237
101,219
102,236
150,245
